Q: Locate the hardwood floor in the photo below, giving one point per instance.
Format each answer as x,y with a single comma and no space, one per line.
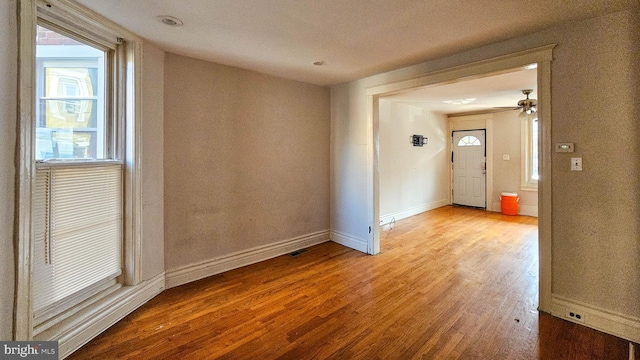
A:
452,283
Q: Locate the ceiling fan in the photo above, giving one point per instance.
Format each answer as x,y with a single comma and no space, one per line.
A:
526,105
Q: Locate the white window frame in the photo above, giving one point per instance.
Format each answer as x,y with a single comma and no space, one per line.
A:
527,182
78,328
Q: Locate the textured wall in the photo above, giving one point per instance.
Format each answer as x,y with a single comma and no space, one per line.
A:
596,212
412,177
8,116
152,138
246,160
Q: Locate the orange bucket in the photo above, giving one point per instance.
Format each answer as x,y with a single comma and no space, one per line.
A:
509,203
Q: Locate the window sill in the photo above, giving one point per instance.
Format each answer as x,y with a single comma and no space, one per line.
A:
529,188
95,318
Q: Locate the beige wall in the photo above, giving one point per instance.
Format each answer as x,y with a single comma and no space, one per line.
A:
596,212
152,137
8,79
506,134
246,160
412,179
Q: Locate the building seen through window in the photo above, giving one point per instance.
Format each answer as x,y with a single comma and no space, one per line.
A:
70,92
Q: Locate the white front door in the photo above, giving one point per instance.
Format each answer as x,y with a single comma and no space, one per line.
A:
469,168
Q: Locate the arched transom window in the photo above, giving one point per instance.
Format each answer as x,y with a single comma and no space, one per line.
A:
469,141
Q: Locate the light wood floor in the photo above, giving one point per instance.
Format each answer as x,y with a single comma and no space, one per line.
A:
452,283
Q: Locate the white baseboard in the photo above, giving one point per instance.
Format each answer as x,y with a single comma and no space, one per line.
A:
624,326
350,241
91,322
196,271
526,210
399,215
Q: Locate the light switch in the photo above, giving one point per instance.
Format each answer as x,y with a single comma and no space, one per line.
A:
506,157
576,164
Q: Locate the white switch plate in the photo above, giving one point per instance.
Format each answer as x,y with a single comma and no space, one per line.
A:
506,157
576,164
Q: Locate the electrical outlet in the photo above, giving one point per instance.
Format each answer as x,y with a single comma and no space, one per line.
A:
574,315
564,147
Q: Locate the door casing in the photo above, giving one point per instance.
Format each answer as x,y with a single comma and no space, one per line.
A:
478,194
542,56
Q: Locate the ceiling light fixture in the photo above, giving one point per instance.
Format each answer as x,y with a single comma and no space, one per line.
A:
460,101
169,20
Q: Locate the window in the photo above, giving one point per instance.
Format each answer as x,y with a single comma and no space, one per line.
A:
78,209
469,140
71,98
534,128
530,154
79,190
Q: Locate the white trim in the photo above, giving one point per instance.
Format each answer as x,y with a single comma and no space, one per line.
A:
545,234
133,158
103,31
492,65
25,171
350,241
475,119
399,215
93,320
373,179
624,326
529,188
196,271
488,160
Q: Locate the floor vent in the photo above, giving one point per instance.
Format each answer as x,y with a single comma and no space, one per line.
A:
298,252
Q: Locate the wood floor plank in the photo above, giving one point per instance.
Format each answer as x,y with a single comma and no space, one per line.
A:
451,283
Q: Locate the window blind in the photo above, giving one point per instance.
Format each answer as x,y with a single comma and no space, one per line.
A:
78,233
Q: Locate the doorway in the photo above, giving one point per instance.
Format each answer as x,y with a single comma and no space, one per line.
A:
542,57
469,168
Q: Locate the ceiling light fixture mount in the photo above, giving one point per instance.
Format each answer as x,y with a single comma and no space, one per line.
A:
528,105
459,101
169,20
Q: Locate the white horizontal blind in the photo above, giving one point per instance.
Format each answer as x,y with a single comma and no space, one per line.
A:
78,229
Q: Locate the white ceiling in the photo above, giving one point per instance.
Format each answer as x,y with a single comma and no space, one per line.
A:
485,94
355,38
